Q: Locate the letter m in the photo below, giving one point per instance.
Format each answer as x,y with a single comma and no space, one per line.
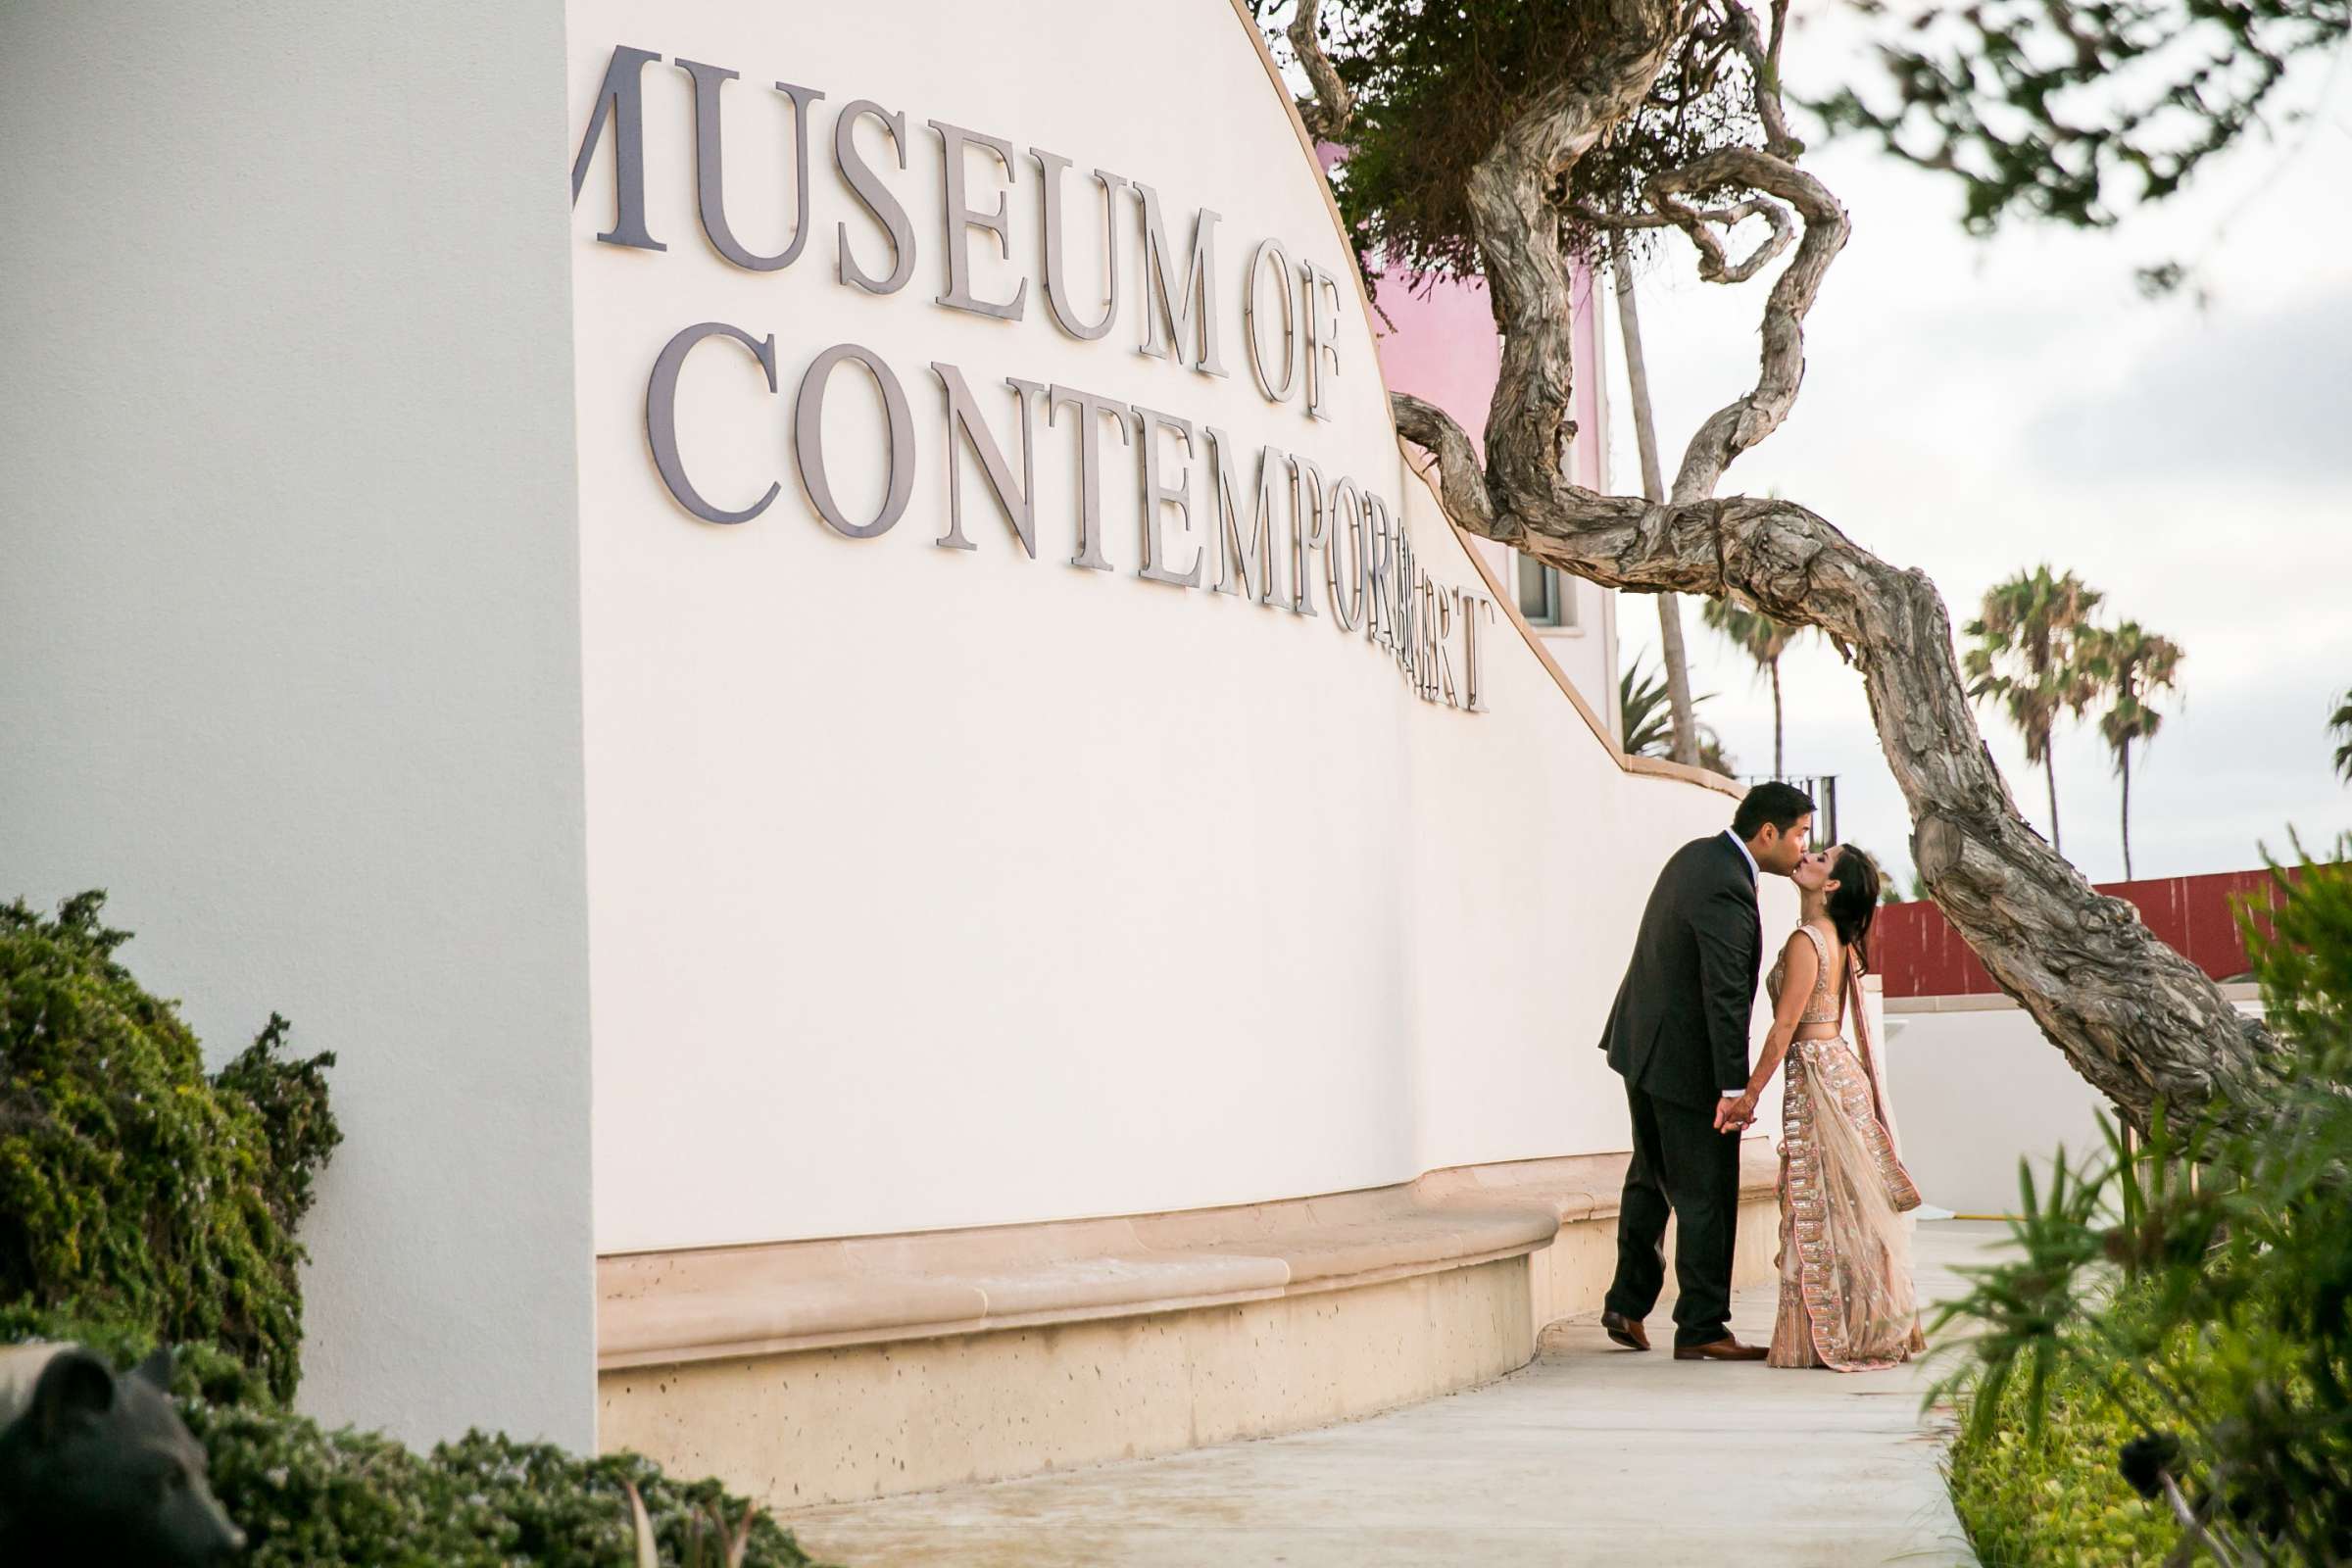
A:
1246,564
618,100
1180,322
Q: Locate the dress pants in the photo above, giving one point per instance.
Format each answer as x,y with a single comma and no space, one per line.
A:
1681,1164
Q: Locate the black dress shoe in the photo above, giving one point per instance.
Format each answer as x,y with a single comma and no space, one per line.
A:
1626,1330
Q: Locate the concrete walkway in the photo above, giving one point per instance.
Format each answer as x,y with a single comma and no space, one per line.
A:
1591,1454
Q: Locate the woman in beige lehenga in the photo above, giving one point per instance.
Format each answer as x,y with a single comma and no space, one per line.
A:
1847,1297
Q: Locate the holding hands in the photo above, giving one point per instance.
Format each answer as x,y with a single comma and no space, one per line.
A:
1734,1113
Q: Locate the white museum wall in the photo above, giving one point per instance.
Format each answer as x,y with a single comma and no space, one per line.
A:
289,649
934,888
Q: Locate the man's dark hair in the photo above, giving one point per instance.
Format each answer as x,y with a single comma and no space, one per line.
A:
1776,803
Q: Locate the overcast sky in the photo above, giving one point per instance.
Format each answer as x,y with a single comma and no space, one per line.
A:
1975,407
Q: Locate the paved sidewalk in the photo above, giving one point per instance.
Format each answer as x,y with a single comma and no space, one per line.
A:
1591,1454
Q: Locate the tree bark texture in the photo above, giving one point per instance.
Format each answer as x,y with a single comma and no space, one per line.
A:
2135,1018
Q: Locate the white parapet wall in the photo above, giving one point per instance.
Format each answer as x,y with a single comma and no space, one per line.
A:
1980,1091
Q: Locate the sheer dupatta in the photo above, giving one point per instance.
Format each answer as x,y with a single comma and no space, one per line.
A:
1868,1052
1846,1295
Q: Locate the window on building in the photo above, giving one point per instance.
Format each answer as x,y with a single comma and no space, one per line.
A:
1546,598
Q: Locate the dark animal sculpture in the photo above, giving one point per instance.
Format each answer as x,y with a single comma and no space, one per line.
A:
96,1468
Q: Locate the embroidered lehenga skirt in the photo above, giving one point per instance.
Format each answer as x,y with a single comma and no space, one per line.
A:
1846,1300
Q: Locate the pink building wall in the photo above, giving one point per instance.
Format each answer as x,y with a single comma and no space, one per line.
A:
1442,347
1438,342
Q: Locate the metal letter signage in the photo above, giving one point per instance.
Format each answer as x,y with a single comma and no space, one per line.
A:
808,440
1189,477
876,196
662,416
964,414
621,100
1058,301
709,187
962,218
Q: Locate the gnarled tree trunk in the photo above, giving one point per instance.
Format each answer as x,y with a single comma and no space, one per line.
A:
2134,1017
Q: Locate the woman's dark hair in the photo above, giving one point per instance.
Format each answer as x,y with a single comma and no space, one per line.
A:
1855,903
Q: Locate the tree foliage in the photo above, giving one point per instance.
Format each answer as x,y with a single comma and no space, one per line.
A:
2075,112
1430,85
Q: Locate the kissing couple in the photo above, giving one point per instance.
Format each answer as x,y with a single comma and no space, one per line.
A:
1679,1036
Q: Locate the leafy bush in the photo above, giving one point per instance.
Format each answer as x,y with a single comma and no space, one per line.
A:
132,1188
312,1499
2192,1296
2053,1494
142,1204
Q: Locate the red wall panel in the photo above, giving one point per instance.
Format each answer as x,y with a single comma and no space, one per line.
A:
1920,955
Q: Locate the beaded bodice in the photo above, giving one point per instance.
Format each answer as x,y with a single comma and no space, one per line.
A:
1821,1006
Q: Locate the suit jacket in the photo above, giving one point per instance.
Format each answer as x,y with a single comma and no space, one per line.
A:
1680,1025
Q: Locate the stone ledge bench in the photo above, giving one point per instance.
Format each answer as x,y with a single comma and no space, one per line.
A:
819,1371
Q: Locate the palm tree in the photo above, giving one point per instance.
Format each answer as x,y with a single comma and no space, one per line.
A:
1644,706
1685,743
2130,665
2339,723
1762,639
2026,657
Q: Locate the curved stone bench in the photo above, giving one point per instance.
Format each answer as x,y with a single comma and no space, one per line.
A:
870,1364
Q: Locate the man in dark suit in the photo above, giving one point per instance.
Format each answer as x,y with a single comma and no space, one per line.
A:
1678,1034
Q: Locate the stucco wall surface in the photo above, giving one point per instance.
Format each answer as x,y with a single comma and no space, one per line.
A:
934,886
1979,1089
290,643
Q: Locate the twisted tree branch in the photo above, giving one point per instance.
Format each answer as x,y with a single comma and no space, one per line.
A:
1329,112
1781,368
1765,61
2135,1018
1700,222
1515,216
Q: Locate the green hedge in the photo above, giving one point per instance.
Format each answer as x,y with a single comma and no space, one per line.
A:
133,1187
306,1497
143,1203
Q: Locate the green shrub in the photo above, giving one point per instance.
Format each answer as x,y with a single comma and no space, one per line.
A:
134,1189
312,1499
2033,1496
2184,1305
142,1204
